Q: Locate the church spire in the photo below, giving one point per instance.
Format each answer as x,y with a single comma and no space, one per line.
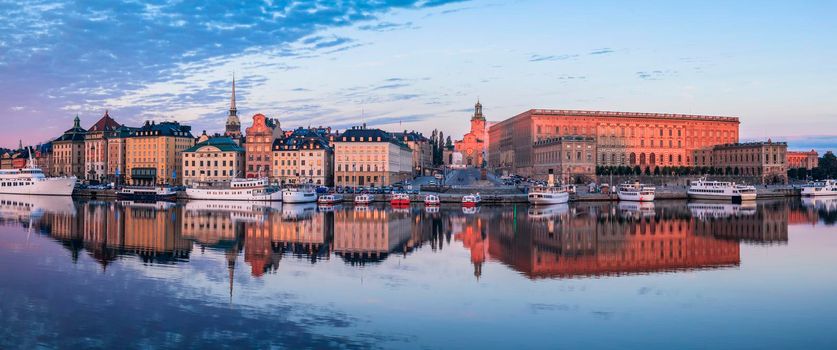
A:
478,111
76,122
233,110
233,126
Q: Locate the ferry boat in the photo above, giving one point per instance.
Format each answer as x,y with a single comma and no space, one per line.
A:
400,199
432,200
31,180
146,193
545,195
471,200
300,194
820,188
635,192
364,198
720,190
235,190
331,198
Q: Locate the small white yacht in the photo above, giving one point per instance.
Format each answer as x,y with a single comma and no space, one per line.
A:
471,200
236,190
820,188
147,193
363,198
545,195
299,194
331,198
432,200
31,180
720,190
635,192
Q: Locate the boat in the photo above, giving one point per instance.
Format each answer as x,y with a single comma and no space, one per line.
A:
299,194
364,198
432,200
331,198
147,193
235,190
635,192
32,181
820,188
471,200
721,190
400,199
546,195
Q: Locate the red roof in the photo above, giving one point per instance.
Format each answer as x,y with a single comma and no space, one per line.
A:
105,124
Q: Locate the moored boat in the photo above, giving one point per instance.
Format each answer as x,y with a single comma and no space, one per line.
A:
471,200
363,198
400,199
721,190
147,193
432,200
299,194
635,192
235,190
31,180
820,188
331,198
545,195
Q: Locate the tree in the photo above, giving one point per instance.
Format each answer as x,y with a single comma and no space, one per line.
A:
656,170
793,173
647,171
448,143
637,170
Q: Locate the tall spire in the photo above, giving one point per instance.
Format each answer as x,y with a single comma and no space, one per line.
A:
76,122
233,110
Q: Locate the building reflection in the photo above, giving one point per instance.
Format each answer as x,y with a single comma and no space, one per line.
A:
369,234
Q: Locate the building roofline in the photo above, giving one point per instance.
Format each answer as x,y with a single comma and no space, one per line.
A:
639,115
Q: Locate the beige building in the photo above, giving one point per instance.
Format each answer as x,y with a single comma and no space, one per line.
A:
808,160
305,156
154,152
68,152
422,152
96,149
765,161
116,161
572,159
218,159
370,157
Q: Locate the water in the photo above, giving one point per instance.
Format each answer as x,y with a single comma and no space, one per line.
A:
94,274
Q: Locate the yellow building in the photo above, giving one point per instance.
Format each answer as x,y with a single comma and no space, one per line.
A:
218,159
371,157
154,151
303,157
68,152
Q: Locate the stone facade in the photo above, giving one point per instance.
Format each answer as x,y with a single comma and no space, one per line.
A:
622,138
370,157
572,159
766,161
422,152
218,159
807,160
305,156
68,152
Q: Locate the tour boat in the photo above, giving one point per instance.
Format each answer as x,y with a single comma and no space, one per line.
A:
235,190
471,200
704,189
364,198
635,192
300,194
431,200
820,188
31,180
545,195
330,198
400,199
147,193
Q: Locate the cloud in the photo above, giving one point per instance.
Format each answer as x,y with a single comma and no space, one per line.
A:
386,26
655,74
601,51
540,58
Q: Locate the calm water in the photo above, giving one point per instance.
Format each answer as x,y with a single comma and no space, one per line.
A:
77,274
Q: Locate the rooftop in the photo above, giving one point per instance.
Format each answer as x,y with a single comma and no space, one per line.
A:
223,143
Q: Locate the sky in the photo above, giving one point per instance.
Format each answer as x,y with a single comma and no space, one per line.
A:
417,64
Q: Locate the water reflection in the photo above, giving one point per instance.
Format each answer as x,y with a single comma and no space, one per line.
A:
585,239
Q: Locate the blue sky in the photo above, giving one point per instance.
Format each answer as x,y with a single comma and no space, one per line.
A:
418,64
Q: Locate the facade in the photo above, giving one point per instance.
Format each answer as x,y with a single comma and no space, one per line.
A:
622,138
766,161
370,157
154,151
422,152
572,159
96,149
218,159
43,158
305,156
68,151
116,162
807,160
474,145
6,159
258,146
233,125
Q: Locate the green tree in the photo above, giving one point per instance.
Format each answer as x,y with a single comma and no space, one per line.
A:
637,170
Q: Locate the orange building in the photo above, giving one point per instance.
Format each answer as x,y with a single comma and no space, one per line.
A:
475,143
807,160
622,138
258,145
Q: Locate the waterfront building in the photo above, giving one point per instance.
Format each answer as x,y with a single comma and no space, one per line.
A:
6,159
474,144
233,125
304,156
96,148
68,151
154,153
648,140
808,160
43,158
764,161
218,159
370,157
116,161
258,145
572,159
422,152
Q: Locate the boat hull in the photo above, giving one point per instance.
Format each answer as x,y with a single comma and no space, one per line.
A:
548,198
635,197
724,197
54,186
228,195
299,197
821,193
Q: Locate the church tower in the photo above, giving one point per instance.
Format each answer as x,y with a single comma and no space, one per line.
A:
233,129
478,121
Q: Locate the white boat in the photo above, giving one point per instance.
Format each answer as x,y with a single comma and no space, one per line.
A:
363,198
635,192
820,188
471,200
721,190
545,195
31,180
236,190
432,200
301,194
144,193
331,198
400,199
